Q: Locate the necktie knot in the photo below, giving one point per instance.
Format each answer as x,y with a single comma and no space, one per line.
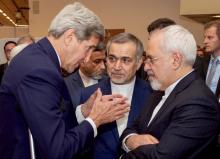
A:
214,61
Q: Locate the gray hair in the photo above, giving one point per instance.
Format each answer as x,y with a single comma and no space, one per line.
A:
25,39
177,38
124,38
76,16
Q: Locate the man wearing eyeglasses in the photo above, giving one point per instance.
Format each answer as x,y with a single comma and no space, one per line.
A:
124,57
184,124
90,72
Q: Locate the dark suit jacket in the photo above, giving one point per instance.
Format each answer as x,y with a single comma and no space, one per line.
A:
106,145
2,70
75,85
30,97
201,66
186,125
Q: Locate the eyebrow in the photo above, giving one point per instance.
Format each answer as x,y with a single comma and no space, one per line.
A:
119,56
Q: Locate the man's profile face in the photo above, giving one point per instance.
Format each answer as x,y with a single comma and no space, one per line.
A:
122,62
8,49
158,64
95,66
76,51
211,40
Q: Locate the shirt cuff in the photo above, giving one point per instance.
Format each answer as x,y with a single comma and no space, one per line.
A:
124,146
79,115
93,126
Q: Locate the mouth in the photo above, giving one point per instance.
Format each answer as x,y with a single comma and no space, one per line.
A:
150,76
117,75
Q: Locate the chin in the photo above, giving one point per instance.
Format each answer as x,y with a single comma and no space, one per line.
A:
120,82
155,84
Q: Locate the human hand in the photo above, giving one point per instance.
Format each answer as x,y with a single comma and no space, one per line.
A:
108,108
87,106
135,141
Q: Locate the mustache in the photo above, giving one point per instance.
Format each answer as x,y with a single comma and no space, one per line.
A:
150,73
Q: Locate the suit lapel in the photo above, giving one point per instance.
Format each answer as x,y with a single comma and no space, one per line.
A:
136,102
217,92
154,99
78,79
206,64
105,87
179,87
49,50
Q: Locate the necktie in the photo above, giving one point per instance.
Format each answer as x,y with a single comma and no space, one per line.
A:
157,99
212,71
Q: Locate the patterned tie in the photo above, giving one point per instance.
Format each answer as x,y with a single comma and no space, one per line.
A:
212,71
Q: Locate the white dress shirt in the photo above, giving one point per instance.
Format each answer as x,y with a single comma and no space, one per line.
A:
87,81
127,91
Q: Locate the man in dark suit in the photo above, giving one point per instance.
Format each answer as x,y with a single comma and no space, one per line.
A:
124,57
205,65
184,124
89,73
9,45
33,87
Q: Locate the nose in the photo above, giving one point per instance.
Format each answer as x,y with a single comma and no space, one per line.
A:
147,67
102,65
205,40
118,65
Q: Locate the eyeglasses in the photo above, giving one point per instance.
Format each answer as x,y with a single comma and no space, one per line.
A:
123,60
150,60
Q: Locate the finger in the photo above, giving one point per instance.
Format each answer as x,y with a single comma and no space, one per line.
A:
99,95
153,140
111,97
120,100
117,95
93,96
119,111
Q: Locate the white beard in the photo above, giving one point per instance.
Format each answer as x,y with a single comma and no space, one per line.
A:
155,84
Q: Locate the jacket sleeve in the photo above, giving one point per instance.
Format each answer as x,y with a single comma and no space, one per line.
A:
39,95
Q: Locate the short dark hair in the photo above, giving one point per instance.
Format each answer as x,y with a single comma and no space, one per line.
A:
100,47
9,42
215,23
160,24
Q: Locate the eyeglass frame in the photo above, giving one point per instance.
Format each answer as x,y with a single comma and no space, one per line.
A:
150,60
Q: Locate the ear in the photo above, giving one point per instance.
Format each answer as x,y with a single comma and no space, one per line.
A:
177,60
69,35
139,62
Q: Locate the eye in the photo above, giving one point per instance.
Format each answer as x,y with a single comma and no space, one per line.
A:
126,60
111,59
148,57
98,61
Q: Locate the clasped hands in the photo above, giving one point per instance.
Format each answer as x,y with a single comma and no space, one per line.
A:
134,141
105,108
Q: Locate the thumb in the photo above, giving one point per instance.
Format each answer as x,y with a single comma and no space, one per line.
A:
98,95
93,96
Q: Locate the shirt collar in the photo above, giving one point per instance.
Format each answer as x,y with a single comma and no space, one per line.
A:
212,57
169,89
124,86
